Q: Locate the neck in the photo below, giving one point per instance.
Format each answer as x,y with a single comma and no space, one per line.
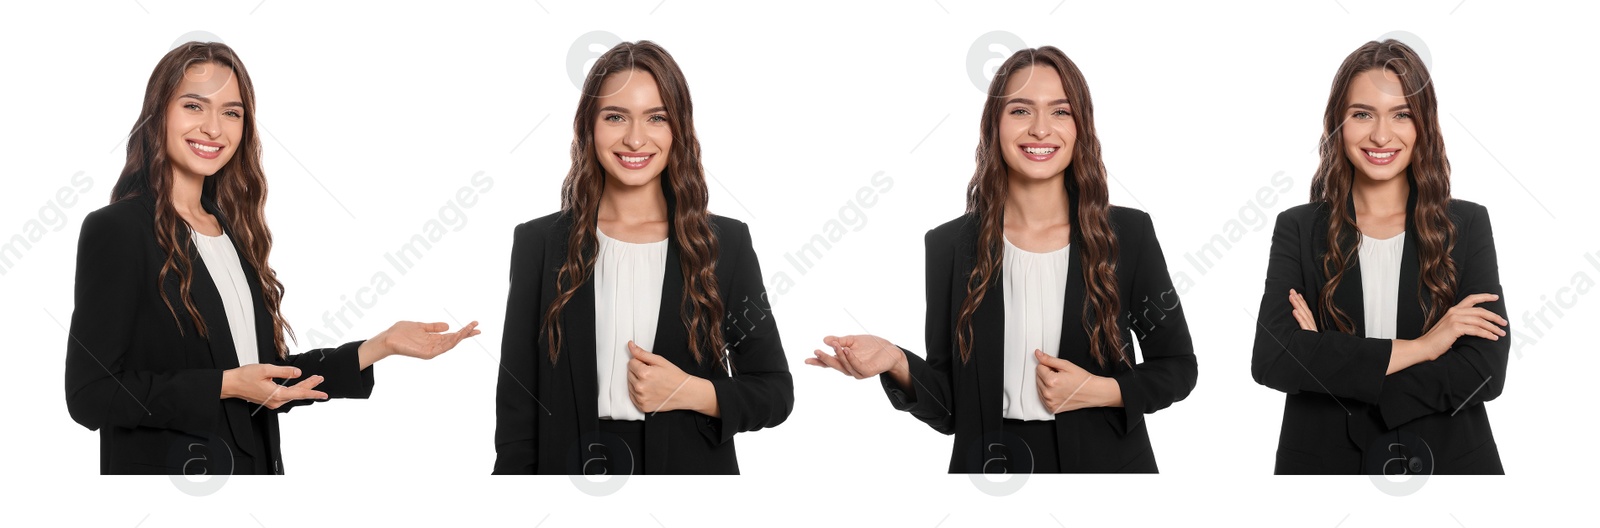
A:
633,204
1380,197
186,190
1037,203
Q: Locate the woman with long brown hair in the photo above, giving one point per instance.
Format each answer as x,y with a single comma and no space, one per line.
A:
1034,298
638,337
177,339
1382,319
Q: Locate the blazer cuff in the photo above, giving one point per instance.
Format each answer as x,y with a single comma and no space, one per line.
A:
340,368
1131,415
899,398
713,428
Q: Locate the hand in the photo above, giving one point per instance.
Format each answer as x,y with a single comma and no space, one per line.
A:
655,384
413,339
861,357
1064,386
1302,312
253,383
1463,319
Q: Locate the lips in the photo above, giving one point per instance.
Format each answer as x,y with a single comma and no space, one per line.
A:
204,149
1038,151
1382,156
634,160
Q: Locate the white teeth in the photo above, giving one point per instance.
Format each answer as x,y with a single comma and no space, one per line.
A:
1038,150
203,148
1380,155
631,159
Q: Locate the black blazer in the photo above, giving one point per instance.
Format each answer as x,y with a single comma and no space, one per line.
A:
1341,414
543,410
152,386
965,399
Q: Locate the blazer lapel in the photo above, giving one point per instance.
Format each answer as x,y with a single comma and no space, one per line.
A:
577,338
1408,312
203,291
671,342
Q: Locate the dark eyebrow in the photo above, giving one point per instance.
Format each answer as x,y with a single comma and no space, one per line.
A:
622,110
1370,108
1056,102
207,100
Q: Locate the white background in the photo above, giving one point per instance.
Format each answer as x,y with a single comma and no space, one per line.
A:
373,117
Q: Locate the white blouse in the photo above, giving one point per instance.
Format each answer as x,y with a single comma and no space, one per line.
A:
1035,291
1380,283
223,262
627,302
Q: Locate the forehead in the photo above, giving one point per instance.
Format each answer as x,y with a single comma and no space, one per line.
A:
1377,85
209,80
632,88
1035,80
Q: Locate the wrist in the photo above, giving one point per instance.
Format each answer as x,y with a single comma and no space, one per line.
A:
228,384
1109,391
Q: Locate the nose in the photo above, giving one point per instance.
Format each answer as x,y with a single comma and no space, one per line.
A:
1039,128
1381,132
212,125
634,139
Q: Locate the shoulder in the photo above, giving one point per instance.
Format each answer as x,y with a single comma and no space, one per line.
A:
128,216
1304,216
1129,222
729,230
541,228
962,226
1464,212
1471,219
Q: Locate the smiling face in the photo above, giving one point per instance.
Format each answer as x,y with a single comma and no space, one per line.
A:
204,121
632,134
1036,128
1379,132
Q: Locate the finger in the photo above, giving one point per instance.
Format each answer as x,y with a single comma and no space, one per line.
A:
1304,318
1486,327
1485,314
279,371
1477,298
831,362
310,382
294,393
848,361
433,328
1048,361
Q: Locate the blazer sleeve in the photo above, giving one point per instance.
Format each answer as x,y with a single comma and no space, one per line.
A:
929,397
1169,371
1473,371
340,368
759,392
101,391
517,411
1292,360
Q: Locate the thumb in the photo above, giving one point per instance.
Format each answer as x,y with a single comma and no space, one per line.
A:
434,327
1049,360
641,354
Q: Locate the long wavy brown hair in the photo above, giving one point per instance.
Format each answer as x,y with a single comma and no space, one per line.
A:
1089,202
683,181
239,189
1429,174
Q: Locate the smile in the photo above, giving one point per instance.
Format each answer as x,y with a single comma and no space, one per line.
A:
1036,152
206,150
1380,156
635,162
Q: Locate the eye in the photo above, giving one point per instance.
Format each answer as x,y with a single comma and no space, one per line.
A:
658,118
1019,111
192,106
1362,114
233,114
613,118
1403,115
1063,112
